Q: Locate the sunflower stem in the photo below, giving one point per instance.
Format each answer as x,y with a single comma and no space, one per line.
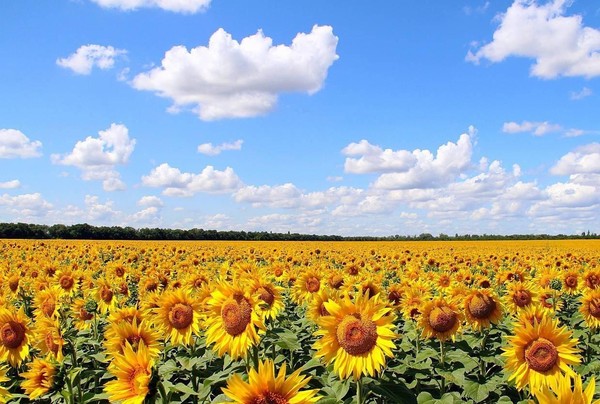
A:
163,393
481,349
359,396
255,357
443,365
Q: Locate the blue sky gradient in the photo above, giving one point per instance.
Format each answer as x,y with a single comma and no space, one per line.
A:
401,118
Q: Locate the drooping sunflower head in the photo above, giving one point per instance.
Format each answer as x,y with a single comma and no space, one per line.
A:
39,378
538,354
482,308
356,335
119,335
440,319
49,339
263,387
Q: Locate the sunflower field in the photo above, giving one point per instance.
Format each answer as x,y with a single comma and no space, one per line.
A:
299,322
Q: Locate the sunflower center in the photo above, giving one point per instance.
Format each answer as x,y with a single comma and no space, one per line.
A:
355,335
521,298
571,281
106,294
313,284
266,295
395,297
134,341
236,314
541,355
595,307
336,282
414,312
12,334
120,271
85,315
442,319
269,397
181,316
50,344
485,284
322,310
481,306
66,282
48,307
13,284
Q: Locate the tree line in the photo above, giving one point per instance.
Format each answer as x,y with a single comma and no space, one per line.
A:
84,231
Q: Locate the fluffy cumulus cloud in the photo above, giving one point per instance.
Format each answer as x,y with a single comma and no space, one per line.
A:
583,160
10,184
176,6
89,56
212,150
177,183
231,79
26,206
560,44
14,144
403,169
98,157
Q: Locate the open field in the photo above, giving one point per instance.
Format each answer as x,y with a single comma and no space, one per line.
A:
296,322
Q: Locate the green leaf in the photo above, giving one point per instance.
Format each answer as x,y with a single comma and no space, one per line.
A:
476,391
396,391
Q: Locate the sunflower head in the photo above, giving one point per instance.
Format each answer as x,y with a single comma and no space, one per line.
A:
482,308
590,308
15,336
39,378
537,354
440,319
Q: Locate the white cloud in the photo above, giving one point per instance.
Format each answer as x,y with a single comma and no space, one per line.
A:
537,128
231,79
147,215
14,144
10,184
177,183
375,159
583,93
176,6
429,171
210,150
26,206
583,160
150,201
98,157
289,196
89,56
561,45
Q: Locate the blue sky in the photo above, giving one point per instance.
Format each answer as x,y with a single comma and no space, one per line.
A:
312,117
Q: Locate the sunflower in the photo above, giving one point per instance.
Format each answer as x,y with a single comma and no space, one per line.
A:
571,281
49,339
46,302
482,308
15,336
591,278
39,378
520,295
118,335
5,395
356,336
178,315
233,323
569,390
105,295
268,296
440,319
590,308
550,300
395,292
133,370
316,308
264,387
307,284
411,305
82,318
538,354
67,281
